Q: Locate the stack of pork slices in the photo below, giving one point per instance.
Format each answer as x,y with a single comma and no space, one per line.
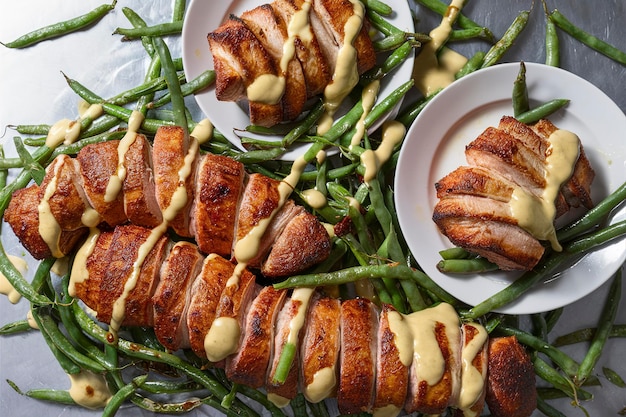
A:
473,210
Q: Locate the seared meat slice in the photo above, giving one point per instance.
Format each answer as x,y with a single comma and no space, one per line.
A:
98,162
308,235
505,244
225,334
22,214
357,376
474,350
335,14
205,297
438,343
511,389
270,29
260,201
524,133
61,189
88,270
239,59
392,365
288,330
320,350
175,159
577,191
249,365
476,181
140,203
496,150
171,298
315,68
219,185
135,255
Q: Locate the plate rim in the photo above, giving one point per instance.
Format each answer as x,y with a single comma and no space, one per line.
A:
524,305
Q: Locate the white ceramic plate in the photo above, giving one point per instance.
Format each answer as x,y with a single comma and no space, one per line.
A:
435,145
204,16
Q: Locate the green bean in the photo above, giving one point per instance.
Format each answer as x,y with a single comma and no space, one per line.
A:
465,266
161,29
379,7
138,22
178,10
198,84
396,40
61,28
441,8
547,409
387,103
49,327
552,318
588,39
185,406
138,351
455,253
33,167
543,110
552,41
613,377
470,33
594,216
546,267
605,323
122,395
552,376
506,41
51,395
356,273
408,116
397,57
586,334
520,92
148,87
75,147
472,64
381,24
68,365
15,327
18,282
40,129
178,103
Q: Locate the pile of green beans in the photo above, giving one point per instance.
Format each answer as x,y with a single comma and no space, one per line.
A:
369,255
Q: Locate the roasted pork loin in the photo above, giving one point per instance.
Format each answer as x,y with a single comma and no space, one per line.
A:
273,40
220,203
371,359
474,209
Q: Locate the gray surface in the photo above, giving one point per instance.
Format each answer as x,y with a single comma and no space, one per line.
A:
32,90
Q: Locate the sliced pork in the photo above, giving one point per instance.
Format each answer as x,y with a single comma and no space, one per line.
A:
293,44
208,197
507,164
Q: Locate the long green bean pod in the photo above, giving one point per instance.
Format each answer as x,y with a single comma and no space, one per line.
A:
506,41
61,28
588,39
605,324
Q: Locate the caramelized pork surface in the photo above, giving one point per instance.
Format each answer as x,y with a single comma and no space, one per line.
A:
475,207
264,42
206,197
